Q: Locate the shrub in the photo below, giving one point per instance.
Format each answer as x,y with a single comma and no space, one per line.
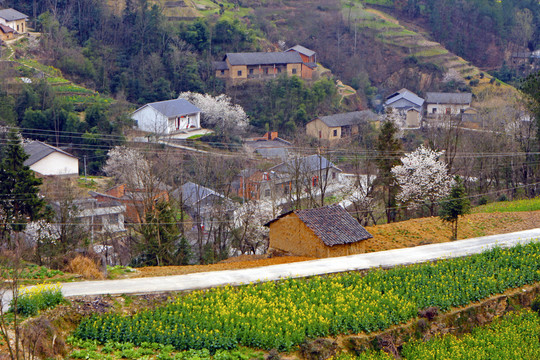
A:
86,267
37,298
483,200
535,306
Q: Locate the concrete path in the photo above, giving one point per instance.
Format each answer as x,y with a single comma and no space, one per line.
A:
300,269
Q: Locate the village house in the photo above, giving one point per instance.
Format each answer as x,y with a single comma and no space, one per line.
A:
14,19
338,126
322,232
308,170
255,184
202,203
136,201
409,106
167,117
269,146
48,160
6,33
447,103
260,65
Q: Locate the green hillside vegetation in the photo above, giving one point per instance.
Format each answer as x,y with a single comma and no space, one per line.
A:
283,314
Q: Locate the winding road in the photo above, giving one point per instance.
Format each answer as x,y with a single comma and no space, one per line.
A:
299,269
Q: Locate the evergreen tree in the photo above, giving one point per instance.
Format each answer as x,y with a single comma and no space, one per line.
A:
455,205
19,187
388,156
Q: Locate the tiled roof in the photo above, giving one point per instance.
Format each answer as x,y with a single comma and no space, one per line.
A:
38,150
332,224
264,58
12,15
193,193
175,107
349,118
220,65
6,29
404,94
302,50
305,164
448,98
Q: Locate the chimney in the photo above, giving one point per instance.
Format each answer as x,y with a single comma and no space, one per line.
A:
273,135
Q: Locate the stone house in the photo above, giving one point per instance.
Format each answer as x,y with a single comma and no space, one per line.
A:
338,126
322,232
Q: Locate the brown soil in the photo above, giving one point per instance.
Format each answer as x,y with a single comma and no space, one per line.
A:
385,237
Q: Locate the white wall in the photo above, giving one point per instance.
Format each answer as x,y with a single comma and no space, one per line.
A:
148,119
57,164
441,108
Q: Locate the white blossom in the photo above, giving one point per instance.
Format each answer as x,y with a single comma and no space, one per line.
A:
127,166
249,222
218,111
423,178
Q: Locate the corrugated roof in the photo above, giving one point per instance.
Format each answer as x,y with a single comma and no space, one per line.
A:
175,107
332,224
349,118
12,15
448,98
264,58
302,50
38,150
6,29
404,94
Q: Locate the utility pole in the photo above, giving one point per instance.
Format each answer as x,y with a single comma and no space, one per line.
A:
85,168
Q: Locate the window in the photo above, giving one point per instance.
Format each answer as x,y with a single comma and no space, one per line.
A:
333,175
448,110
250,71
239,72
294,71
267,193
315,181
335,133
320,134
434,111
222,72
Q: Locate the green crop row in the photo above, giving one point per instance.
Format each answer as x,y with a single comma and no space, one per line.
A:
283,314
514,336
510,206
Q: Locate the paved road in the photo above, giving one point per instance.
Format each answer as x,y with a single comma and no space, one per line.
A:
300,269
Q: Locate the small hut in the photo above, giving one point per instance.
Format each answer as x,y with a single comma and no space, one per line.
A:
327,231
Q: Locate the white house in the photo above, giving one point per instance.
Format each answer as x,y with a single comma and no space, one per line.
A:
48,160
167,117
447,103
14,19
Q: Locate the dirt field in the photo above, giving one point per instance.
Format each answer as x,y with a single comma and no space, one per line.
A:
385,237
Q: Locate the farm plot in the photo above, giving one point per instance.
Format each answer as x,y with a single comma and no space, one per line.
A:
283,314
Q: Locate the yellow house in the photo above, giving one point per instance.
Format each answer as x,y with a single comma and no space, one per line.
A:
322,232
261,65
14,19
338,126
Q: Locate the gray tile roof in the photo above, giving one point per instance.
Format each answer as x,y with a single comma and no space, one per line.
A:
193,193
175,107
38,150
273,153
220,65
306,164
264,58
404,94
448,98
332,224
302,50
12,15
349,118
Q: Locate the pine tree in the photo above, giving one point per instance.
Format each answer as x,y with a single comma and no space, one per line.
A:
455,205
19,187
